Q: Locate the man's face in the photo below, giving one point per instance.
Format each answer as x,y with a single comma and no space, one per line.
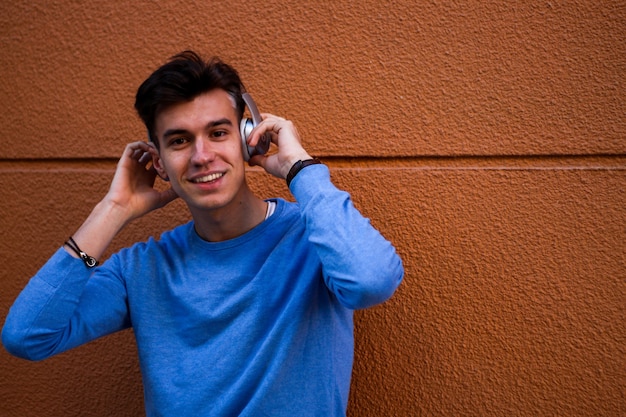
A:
200,151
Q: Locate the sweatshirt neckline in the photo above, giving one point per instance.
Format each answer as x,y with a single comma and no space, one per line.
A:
251,234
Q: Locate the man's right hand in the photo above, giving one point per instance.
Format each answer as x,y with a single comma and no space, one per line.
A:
131,195
132,189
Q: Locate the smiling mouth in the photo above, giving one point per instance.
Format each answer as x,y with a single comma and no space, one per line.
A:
208,178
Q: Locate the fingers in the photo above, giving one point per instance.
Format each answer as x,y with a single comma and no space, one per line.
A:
140,152
273,125
144,158
136,147
283,133
286,137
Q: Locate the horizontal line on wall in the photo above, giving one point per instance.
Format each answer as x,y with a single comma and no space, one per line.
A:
53,165
489,162
497,162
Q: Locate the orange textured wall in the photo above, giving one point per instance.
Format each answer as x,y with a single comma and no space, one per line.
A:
486,139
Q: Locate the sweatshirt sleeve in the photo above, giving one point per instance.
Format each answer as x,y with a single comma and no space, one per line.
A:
360,266
63,306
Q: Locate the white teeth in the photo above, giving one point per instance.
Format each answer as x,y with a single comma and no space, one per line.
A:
208,178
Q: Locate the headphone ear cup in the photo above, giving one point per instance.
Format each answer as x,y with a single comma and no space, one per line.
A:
245,128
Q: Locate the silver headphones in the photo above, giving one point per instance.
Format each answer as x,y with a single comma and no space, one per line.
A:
246,127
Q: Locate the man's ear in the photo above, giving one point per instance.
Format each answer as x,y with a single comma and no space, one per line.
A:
158,166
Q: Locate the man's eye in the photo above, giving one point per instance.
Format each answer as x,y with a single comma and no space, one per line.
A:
219,133
178,141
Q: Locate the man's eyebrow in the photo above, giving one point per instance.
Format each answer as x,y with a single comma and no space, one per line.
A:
174,132
224,121
210,125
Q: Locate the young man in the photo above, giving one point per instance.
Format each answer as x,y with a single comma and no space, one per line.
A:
247,310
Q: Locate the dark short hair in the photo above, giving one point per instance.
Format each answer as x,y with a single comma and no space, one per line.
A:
184,77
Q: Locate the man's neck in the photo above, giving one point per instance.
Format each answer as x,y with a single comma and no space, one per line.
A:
228,222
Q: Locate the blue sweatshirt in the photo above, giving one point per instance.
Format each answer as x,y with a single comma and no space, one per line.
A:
260,325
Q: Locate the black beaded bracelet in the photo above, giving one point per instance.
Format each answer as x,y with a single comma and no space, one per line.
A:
298,166
90,261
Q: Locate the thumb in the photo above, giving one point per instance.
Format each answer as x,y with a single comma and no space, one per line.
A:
257,160
167,196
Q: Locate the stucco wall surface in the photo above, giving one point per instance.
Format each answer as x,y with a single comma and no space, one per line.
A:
486,140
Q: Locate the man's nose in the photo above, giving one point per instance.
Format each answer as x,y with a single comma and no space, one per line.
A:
203,152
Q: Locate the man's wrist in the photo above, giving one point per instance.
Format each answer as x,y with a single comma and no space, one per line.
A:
115,214
299,166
